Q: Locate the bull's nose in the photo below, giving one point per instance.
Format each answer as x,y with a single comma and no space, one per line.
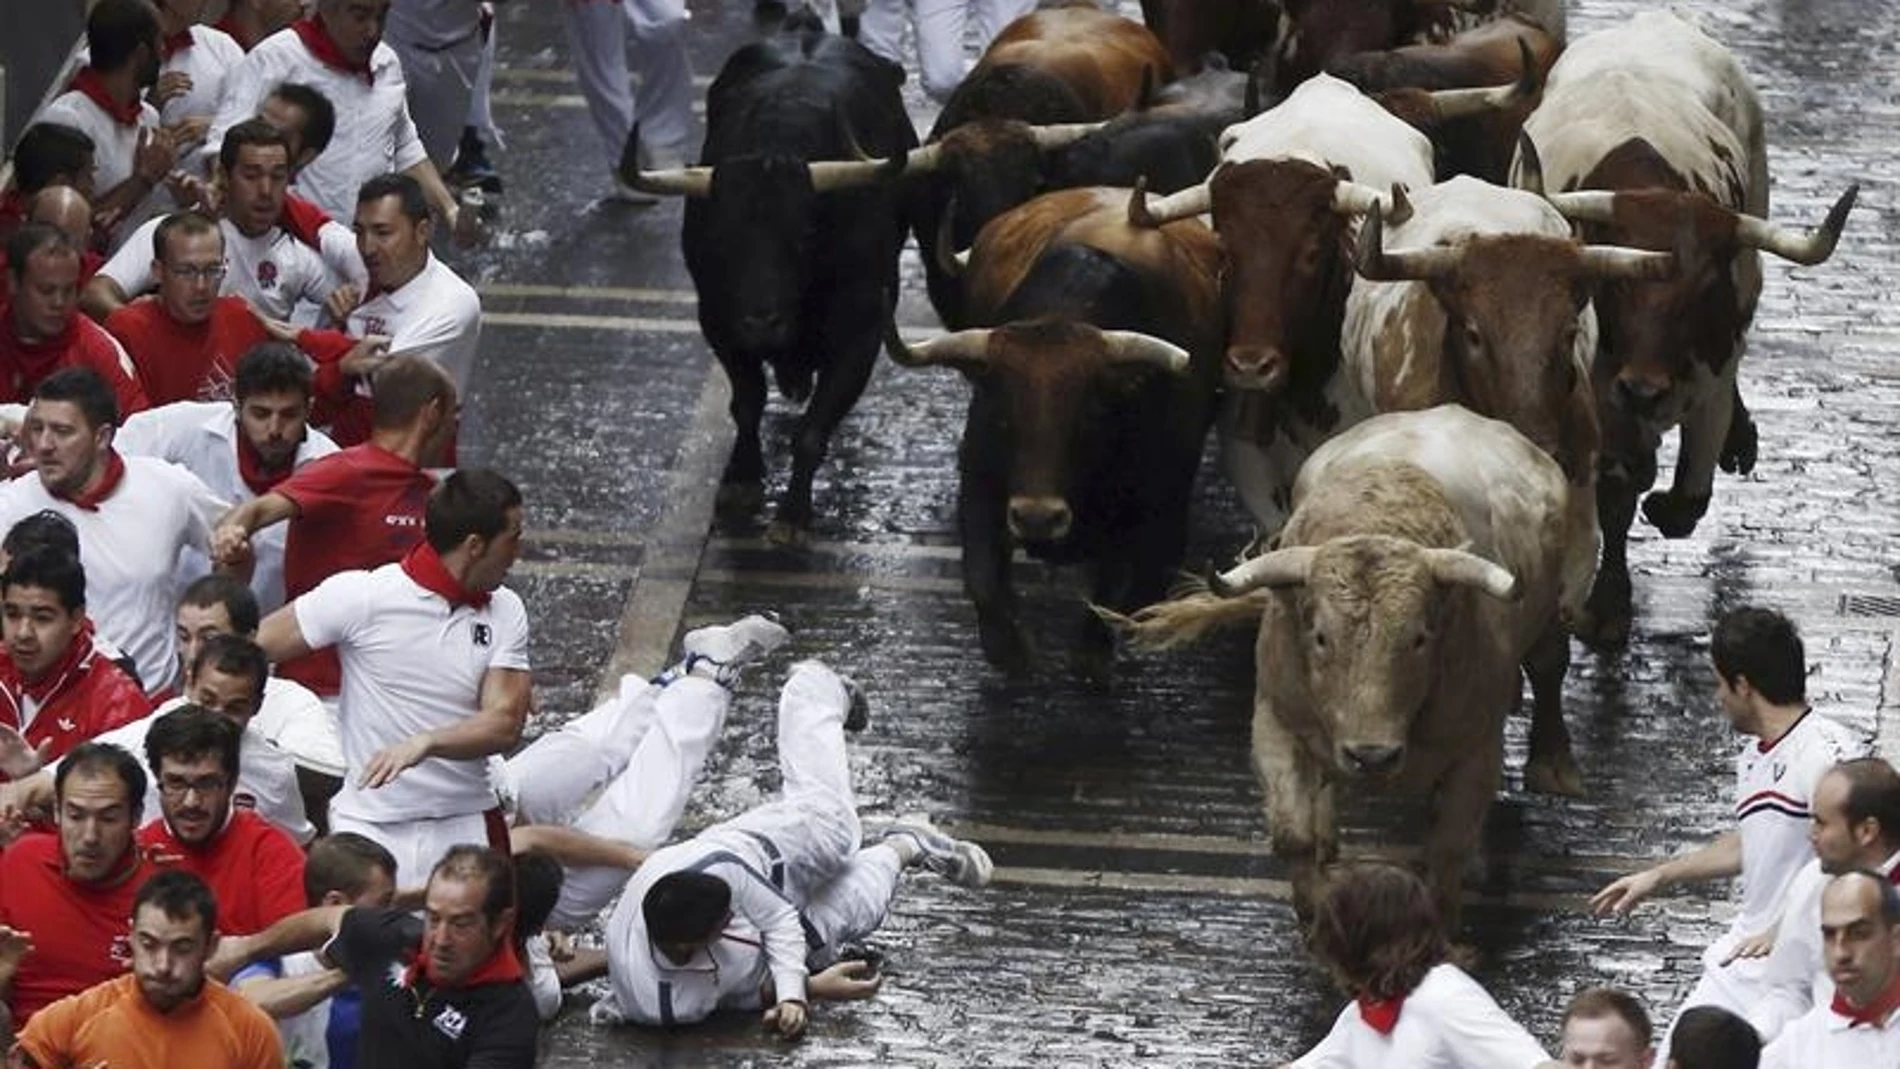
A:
1039,519
762,323
1638,395
1371,760
1254,367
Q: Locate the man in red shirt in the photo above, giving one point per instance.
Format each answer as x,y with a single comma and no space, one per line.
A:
185,340
65,897
41,329
254,869
55,688
359,508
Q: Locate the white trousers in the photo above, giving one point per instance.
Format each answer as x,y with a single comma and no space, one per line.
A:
441,92
417,844
853,903
481,108
941,25
599,33
1737,987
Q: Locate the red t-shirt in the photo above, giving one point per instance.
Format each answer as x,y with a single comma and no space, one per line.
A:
81,934
186,362
83,344
357,508
254,869
86,698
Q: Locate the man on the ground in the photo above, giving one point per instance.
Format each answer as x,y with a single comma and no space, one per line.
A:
1860,1026
56,689
41,330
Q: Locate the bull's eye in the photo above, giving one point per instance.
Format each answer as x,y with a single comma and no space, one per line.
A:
1474,341
1319,639
1418,642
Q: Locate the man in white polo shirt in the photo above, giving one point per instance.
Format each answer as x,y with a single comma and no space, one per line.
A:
134,514
1760,680
339,51
1860,1027
435,675
196,58
240,448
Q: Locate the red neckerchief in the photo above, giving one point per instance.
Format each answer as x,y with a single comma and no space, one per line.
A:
175,43
57,676
87,81
109,480
303,220
425,566
502,967
1874,1013
37,358
251,467
318,40
1380,1014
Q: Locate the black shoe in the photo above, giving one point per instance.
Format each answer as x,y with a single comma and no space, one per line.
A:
471,166
857,716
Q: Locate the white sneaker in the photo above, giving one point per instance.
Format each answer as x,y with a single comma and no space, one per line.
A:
960,861
719,652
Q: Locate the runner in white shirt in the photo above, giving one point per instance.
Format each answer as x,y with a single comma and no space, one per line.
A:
435,674
240,449
1856,826
416,301
132,153
339,52
1760,682
196,59
1859,1028
308,121
134,514
440,45
1411,1010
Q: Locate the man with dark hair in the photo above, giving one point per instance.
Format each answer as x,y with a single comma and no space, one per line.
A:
133,152
358,509
308,121
240,448
134,514
417,302
451,974
434,653
1607,1029
41,330
65,895
1709,1037
56,689
256,870
1377,931
1860,1026
1760,674
165,1012
53,154
1856,826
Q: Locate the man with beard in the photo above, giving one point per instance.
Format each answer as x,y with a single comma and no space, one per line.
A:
1860,928
163,1013
255,869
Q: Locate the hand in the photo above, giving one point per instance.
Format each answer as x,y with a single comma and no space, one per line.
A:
15,945
341,302
188,133
788,1018
277,328
390,761
231,545
1623,895
365,356
19,758
560,947
847,981
1754,946
171,85
190,191
155,156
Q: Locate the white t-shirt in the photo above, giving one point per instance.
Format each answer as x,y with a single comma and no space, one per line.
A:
201,436
208,61
298,722
273,271
1822,1040
115,146
1774,790
267,778
411,663
130,547
374,134
435,312
1447,1022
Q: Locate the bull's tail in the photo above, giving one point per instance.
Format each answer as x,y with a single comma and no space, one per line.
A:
1186,617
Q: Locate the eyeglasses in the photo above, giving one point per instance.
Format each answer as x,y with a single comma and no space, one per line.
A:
208,273
203,786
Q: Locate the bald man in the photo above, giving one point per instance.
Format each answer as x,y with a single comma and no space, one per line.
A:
68,211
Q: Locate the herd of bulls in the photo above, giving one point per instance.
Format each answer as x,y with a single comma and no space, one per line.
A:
1442,291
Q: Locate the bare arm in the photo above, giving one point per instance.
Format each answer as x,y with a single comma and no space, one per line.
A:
288,996
281,636
441,201
495,727
102,297
307,930
231,538
1718,859
574,848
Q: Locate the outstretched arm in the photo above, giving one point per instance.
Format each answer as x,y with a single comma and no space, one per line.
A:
1723,857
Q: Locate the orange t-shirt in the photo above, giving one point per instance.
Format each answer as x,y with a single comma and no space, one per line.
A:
112,1024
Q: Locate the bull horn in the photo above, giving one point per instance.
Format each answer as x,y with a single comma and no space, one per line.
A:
1616,261
1463,568
923,159
960,349
830,175
677,182
1530,166
1134,347
1186,204
946,247
1810,248
1351,198
1585,206
1372,261
1056,135
1272,570
1458,103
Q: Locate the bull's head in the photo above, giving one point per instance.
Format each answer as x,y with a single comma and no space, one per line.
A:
1047,386
1280,224
1512,304
1362,617
987,167
1657,331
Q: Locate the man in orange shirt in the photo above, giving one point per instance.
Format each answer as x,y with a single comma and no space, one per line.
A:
41,330
165,1012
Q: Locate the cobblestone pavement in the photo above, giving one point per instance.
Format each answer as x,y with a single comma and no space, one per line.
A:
1138,916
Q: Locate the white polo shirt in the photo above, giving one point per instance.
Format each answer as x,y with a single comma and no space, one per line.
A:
411,663
130,547
434,311
374,134
114,148
1823,1039
1447,1022
267,778
201,436
1774,792
273,271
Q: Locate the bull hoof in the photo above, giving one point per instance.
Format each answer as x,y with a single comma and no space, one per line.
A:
788,535
1673,514
1739,449
1008,650
739,498
1558,775
1604,623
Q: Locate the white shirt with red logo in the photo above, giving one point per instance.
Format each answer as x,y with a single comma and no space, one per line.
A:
273,271
435,312
1774,791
